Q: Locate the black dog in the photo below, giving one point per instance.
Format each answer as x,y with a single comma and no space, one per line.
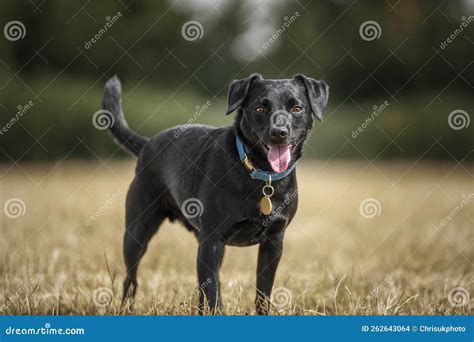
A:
217,181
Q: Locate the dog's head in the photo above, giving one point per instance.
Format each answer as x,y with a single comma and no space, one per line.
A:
275,116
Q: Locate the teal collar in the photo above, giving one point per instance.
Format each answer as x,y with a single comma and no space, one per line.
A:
256,173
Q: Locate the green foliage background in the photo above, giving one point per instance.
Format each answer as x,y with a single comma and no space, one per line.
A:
165,76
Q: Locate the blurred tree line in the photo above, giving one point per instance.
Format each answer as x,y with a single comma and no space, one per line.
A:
67,54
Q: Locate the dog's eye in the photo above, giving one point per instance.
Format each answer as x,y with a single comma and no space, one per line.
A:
259,109
296,109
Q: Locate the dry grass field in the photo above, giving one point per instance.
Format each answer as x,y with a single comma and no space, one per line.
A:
62,227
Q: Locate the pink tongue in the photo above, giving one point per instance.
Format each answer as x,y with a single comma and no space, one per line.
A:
279,157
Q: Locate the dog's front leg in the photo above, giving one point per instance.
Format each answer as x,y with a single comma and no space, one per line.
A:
269,255
210,255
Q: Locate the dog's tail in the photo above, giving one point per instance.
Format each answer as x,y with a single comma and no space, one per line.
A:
128,139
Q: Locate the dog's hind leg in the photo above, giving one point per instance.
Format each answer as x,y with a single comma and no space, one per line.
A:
143,219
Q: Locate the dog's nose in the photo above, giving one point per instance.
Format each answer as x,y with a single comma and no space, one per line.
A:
279,132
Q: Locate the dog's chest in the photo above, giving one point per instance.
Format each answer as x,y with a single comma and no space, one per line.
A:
255,224
245,233
281,198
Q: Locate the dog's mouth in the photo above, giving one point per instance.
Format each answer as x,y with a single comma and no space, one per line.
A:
279,157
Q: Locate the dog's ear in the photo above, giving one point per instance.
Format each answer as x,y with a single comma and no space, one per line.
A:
238,90
317,93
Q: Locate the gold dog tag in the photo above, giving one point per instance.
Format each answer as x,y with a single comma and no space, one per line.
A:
266,205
